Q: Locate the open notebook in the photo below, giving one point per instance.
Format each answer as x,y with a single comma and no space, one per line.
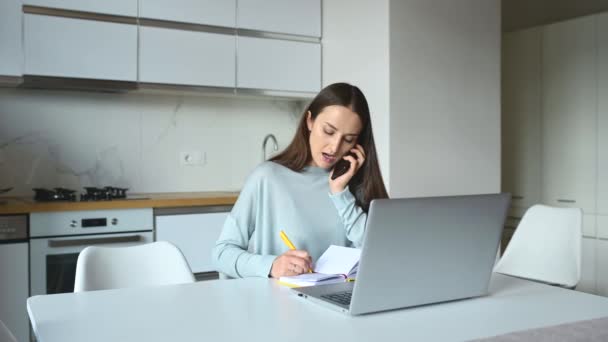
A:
337,264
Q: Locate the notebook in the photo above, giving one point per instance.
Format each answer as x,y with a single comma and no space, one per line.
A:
335,265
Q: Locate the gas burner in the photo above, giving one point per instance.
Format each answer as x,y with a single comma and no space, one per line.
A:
57,194
103,194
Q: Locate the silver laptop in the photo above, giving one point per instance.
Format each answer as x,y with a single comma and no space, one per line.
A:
419,251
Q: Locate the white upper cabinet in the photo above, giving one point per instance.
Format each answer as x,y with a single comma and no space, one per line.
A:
78,48
115,7
181,42
602,128
206,12
299,17
186,57
569,114
521,116
273,64
10,38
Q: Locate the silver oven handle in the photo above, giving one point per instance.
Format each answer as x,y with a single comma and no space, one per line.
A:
94,241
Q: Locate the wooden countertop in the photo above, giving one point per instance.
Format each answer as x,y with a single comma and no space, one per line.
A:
24,205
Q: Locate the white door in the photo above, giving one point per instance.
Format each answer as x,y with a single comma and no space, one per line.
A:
281,16
206,12
602,127
569,114
186,57
80,48
281,65
194,234
116,7
521,116
10,38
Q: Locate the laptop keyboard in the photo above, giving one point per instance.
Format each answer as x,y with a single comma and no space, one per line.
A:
340,297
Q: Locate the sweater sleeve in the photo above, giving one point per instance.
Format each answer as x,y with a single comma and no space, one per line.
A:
230,255
353,217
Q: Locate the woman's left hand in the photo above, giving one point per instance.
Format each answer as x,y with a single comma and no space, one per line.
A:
339,184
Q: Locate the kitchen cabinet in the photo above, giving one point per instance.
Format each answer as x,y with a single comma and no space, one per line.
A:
63,47
588,266
602,256
569,114
274,64
602,122
281,16
11,53
205,12
182,57
511,223
602,226
521,116
194,234
602,267
507,235
589,225
183,43
115,7
14,288
514,216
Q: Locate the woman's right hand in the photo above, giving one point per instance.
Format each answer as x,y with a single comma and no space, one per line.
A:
290,263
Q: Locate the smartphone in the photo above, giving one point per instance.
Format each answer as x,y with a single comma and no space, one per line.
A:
342,166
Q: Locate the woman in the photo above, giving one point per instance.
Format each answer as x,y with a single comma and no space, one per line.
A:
294,192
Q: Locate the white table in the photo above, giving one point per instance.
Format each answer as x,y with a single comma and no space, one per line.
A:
261,310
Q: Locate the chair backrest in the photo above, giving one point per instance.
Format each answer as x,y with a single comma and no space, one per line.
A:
546,246
5,334
157,263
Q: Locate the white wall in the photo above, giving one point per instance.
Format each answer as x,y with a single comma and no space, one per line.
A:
355,50
429,68
444,97
76,139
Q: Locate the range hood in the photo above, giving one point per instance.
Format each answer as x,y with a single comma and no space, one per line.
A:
10,81
80,84
112,86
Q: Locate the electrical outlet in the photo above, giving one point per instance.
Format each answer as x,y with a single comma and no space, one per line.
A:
191,158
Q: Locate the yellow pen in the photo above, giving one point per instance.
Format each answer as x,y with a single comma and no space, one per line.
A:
288,243
286,240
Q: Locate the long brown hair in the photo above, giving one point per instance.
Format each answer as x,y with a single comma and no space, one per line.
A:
367,183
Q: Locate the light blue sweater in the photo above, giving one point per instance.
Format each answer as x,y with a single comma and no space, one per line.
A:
275,198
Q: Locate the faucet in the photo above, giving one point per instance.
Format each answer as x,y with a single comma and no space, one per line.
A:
275,146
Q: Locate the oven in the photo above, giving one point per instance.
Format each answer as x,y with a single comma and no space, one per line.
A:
57,238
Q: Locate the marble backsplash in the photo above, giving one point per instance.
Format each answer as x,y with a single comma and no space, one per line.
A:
76,139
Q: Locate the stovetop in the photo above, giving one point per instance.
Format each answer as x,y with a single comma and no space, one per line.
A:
107,193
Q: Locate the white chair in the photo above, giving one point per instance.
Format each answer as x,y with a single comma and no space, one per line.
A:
5,334
158,263
545,247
